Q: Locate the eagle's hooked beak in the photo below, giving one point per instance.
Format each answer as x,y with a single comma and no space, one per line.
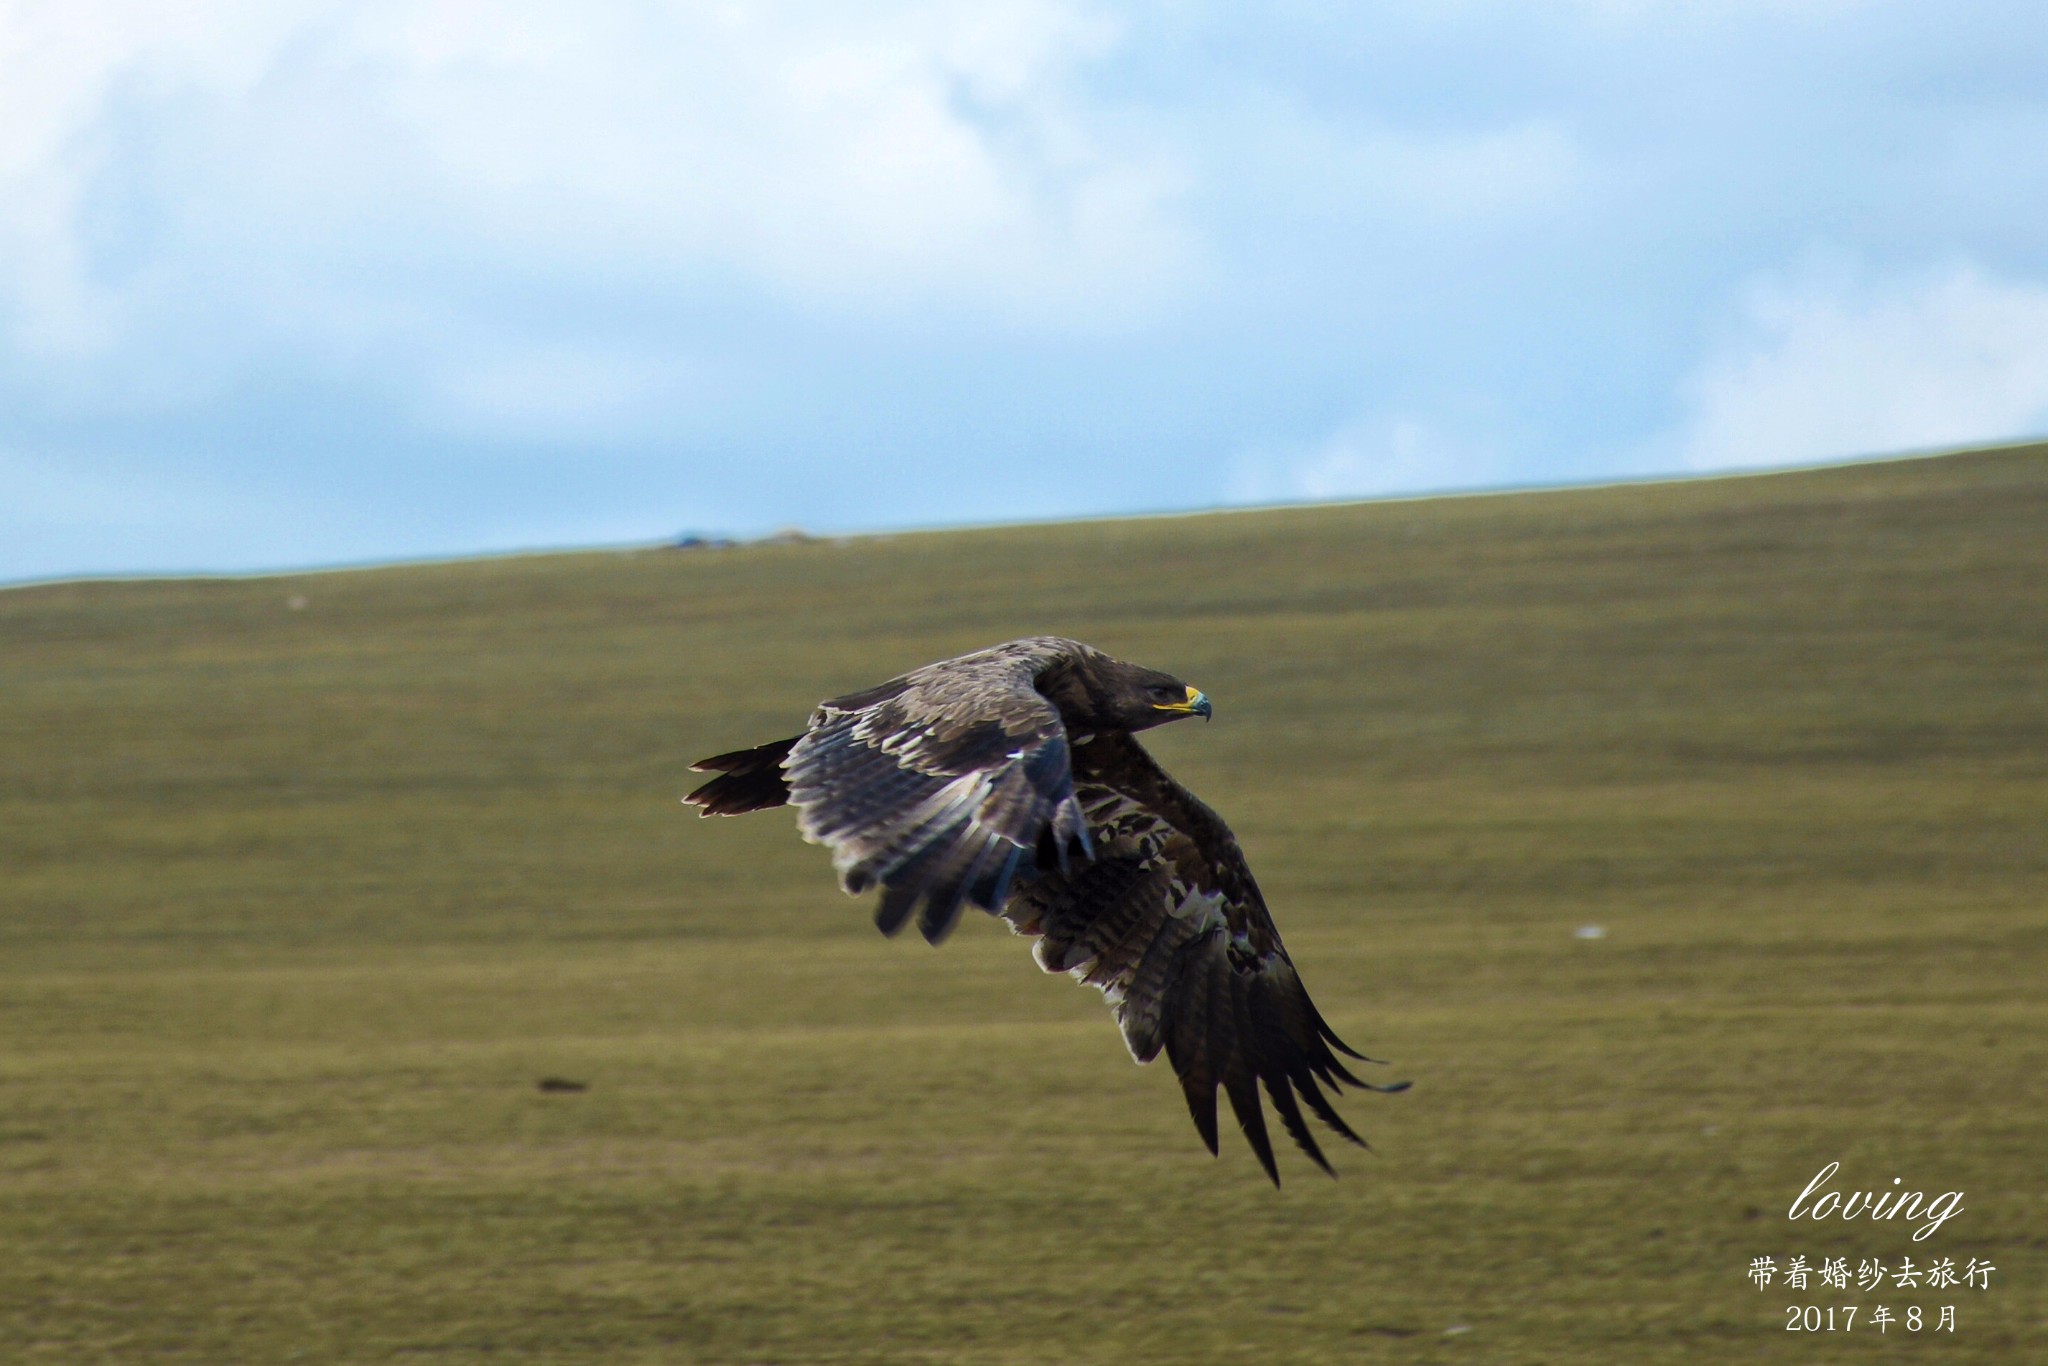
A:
1197,704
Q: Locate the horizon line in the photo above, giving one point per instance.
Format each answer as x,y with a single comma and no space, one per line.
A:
949,528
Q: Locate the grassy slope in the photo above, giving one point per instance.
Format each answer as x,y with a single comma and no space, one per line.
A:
295,906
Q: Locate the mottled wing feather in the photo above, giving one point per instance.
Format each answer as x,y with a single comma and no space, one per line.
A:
1169,924
940,786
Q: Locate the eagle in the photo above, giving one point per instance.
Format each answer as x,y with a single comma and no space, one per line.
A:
1010,779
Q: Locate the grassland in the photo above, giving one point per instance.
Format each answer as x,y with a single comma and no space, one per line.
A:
298,903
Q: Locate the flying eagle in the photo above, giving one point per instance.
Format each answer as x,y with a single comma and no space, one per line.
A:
1008,779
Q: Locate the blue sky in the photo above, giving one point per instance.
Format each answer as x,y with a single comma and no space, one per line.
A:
295,283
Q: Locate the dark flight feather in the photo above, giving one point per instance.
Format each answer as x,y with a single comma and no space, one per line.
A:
751,780
1009,780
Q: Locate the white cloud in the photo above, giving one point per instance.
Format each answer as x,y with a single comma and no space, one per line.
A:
1828,368
1364,460
891,157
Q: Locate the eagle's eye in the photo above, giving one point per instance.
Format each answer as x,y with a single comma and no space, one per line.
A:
1167,692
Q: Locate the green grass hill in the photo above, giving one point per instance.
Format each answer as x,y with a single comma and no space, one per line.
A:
307,882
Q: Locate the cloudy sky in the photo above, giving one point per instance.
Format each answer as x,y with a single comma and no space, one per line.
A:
285,282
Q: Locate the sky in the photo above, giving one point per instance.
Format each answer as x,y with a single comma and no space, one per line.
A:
286,283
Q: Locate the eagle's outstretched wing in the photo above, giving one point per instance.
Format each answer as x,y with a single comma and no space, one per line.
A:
941,785
1166,920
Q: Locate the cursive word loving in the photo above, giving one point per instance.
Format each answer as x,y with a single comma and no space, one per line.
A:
1873,1205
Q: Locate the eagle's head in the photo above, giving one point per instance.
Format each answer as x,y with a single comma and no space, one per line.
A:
1139,698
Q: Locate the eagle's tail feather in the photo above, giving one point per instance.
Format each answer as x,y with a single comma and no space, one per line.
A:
748,780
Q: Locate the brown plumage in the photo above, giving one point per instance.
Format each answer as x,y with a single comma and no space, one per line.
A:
1008,779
